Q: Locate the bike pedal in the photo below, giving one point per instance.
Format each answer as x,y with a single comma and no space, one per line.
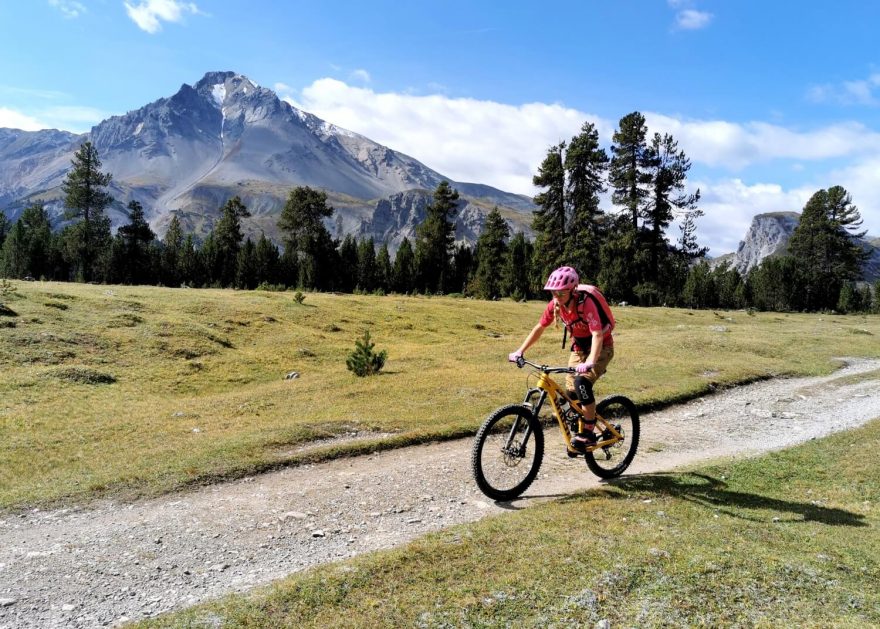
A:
573,455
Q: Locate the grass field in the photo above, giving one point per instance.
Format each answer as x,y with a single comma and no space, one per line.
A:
126,391
788,539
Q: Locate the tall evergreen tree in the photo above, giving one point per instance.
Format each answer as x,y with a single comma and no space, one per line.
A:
517,268
366,258
462,268
434,240
628,173
85,199
824,252
171,253
403,277
384,270
550,219
191,266
14,261
136,237
306,237
229,237
5,227
585,164
348,264
266,261
668,167
491,255
27,250
246,267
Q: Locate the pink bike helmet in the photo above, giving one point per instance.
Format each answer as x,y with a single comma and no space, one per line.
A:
562,278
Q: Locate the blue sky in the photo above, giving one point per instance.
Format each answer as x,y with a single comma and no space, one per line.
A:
770,100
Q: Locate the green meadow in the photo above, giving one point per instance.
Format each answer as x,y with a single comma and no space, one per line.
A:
115,391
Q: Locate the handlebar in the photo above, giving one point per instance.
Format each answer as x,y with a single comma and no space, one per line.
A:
521,362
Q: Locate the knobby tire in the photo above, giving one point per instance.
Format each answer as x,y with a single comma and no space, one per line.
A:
504,475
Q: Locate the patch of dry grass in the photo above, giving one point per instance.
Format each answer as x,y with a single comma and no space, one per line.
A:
200,390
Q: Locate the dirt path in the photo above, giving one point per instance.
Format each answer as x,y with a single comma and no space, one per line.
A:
102,566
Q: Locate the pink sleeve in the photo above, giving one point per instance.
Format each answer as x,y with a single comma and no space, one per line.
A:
547,315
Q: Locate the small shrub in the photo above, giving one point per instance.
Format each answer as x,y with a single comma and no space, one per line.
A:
6,288
298,297
363,361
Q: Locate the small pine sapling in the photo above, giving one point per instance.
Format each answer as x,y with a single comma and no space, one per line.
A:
363,361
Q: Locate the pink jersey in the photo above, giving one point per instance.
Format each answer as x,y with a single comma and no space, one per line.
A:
580,325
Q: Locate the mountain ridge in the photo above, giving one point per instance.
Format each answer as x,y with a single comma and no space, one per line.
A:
225,136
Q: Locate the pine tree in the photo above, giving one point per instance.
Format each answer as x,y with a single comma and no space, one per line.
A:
628,172
191,267
549,220
824,252
434,240
404,273
85,199
348,264
228,238
266,261
5,227
135,237
384,270
246,266
461,269
13,255
171,253
517,268
364,361
585,165
491,255
307,239
27,250
668,167
366,265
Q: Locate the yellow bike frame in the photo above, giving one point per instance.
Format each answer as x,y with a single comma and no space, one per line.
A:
552,392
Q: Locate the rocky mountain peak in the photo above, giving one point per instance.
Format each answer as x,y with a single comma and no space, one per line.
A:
768,235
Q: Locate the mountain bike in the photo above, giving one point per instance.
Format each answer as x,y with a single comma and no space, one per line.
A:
509,446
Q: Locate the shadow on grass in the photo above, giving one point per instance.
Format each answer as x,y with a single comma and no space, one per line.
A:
713,493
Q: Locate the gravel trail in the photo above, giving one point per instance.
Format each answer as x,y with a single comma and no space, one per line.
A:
112,562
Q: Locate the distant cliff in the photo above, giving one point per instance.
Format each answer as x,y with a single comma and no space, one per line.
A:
768,235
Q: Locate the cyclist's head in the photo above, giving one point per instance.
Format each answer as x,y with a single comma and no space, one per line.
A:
563,278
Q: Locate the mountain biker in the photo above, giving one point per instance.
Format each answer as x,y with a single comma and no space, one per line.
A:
592,348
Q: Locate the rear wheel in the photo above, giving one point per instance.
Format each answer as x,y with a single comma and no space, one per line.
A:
613,459
507,453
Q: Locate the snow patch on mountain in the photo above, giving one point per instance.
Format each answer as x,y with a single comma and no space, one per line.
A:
219,94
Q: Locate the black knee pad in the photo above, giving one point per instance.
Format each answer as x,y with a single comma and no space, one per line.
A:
584,389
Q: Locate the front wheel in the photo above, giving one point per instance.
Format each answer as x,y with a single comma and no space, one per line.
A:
612,460
507,453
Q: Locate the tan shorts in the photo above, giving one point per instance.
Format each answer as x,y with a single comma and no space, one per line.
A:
598,369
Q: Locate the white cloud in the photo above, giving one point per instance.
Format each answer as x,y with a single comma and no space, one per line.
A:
73,119
466,139
149,14
15,120
502,145
691,19
68,8
859,92
360,75
735,146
